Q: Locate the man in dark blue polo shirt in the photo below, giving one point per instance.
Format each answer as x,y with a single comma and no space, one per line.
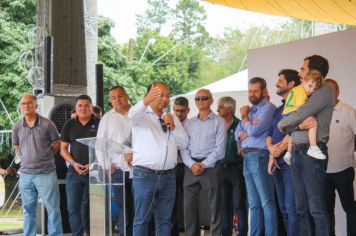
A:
85,125
277,143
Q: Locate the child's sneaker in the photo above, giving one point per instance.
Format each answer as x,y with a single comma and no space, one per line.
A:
287,158
314,151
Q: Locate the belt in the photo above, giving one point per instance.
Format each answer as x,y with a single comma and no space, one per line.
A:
301,146
198,159
157,172
247,150
231,166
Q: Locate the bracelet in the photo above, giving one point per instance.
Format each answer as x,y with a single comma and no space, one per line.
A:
72,163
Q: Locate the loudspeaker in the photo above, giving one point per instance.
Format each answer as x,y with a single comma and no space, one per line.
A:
48,64
99,71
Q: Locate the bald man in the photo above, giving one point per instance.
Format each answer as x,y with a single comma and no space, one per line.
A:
36,140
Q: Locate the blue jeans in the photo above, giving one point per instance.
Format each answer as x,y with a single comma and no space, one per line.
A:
285,194
118,193
153,193
260,194
308,176
45,185
77,189
233,195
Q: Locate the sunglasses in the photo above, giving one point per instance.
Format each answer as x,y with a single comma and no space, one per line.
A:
163,125
202,98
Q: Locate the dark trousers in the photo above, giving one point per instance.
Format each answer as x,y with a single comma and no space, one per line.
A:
342,182
77,189
308,175
178,210
233,194
193,185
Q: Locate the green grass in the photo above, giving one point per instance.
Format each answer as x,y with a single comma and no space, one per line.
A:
13,213
6,223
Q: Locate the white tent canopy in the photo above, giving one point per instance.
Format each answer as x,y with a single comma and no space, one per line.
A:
234,85
234,82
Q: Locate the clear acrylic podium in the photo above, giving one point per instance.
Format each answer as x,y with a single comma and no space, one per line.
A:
106,189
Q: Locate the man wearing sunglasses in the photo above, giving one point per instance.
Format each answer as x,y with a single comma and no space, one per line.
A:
207,139
252,132
156,136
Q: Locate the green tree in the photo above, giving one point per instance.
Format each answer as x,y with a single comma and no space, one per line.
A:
189,19
17,17
155,17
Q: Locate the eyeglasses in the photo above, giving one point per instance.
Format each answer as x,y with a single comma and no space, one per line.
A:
163,125
202,98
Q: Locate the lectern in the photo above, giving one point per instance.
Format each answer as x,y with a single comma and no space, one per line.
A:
104,197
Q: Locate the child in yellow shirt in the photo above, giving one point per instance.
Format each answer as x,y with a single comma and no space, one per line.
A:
296,98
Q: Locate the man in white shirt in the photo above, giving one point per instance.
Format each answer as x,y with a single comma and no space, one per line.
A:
181,110
156,135
340,173
115,125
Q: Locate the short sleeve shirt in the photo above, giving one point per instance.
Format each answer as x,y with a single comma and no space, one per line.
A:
35,145
296,98
73,130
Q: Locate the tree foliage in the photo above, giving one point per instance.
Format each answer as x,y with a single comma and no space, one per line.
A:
16,20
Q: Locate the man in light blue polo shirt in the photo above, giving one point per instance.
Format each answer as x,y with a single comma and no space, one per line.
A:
207,140
252,132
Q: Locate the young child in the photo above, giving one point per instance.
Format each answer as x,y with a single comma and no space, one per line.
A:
296,98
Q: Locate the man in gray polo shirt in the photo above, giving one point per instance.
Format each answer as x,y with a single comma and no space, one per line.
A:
35,140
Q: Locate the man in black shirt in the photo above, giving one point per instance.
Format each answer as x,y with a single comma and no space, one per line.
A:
85,125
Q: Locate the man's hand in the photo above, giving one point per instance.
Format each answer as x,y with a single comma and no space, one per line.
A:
243,135
244,110
308,123
272,164
197,168
153,94
168,119
274,150
85,170
128,158
78,168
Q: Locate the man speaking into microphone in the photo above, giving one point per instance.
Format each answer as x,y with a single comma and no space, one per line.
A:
156,135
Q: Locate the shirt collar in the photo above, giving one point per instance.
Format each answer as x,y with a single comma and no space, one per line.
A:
210,116
254,108
37,121
338,105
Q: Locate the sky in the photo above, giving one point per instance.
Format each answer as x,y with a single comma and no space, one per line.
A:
123,13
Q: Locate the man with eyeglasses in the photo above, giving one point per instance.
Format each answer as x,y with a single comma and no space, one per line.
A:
252,132
156,136
181,110
207,139
36,140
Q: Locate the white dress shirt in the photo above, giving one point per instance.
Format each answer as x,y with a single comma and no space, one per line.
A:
116,127
341,138
152,147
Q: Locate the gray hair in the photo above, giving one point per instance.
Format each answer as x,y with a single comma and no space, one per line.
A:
229,102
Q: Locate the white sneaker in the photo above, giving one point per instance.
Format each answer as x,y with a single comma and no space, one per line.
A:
287,158
314,151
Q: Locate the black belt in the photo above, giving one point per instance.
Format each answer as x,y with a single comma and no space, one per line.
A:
251,149
199,159
231,166
158,172
302,146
